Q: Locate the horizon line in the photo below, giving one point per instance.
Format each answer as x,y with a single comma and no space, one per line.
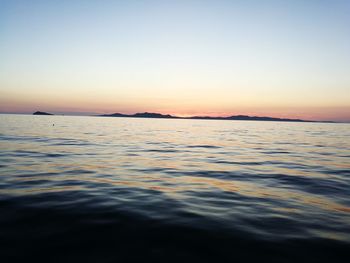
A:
170,116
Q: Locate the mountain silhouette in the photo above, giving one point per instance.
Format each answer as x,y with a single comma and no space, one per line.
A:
233,117
42,113
141,115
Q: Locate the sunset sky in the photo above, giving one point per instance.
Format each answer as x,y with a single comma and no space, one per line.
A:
265,58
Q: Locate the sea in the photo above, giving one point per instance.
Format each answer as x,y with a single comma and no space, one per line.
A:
104,189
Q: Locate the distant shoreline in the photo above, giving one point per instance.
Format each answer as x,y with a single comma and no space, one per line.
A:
42,113
151,115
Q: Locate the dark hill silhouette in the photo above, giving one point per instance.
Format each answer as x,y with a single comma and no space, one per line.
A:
153,115
255,118
115,115
42,113
234,117
140,115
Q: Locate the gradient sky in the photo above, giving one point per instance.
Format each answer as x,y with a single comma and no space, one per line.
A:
276,58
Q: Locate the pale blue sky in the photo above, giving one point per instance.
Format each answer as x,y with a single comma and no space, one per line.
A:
289,58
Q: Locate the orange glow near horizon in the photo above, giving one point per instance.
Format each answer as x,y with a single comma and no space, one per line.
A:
181,58
71,107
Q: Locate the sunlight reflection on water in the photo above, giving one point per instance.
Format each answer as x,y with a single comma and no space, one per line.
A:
235,173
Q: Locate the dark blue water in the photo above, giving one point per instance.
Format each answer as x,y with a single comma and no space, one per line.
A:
90,189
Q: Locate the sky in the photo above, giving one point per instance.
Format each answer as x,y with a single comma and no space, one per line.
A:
216,58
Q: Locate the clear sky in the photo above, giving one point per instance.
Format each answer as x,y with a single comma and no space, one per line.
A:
276,58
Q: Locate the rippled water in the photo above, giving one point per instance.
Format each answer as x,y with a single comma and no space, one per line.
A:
99,189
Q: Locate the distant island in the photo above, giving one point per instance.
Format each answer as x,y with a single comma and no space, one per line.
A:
142,115
42,113
234,117
168,116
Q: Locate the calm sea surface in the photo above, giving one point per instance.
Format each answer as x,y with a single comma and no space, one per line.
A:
97,189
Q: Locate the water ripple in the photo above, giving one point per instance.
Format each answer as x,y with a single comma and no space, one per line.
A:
107,185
